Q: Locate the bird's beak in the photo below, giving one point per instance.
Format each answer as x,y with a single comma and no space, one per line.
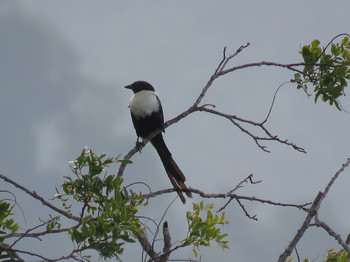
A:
128,87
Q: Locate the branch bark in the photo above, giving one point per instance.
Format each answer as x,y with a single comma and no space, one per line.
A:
148,248
230,196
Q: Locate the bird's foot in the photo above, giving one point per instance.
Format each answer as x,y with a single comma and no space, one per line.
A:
139,145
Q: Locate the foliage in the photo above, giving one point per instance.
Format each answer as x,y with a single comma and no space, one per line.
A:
202,232
7,225
108,214
327,72
334,256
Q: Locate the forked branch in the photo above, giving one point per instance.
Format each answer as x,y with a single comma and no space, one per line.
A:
312,214
223,69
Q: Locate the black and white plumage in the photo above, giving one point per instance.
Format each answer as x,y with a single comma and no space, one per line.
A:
147,117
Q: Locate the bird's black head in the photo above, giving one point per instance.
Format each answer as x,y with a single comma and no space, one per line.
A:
140,86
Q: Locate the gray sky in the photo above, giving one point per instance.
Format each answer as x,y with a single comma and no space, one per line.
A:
62,68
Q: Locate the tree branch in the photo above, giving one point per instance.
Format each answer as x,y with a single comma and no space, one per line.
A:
146,246
312,213
230,195
235,120
37,197
220,71
8,249
246,212
167,243
302,229
332,233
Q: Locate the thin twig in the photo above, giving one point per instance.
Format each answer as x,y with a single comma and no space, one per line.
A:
239,185
330,42
246,212
37,234
161,219
336,175
25,234
273,101
16,203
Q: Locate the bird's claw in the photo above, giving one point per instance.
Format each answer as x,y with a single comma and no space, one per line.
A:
139,145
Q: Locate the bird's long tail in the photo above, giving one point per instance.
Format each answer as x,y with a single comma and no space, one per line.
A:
175,175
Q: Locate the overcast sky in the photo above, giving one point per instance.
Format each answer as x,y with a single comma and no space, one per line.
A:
62,68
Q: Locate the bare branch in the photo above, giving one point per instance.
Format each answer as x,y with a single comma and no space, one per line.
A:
302,229
217,73
25,234
41,199
170,251
167,243
312,213
146,246
273,101
246,212
240,49
237,120
239,185
330,231
228,195
137,148
222,61
336,175
36,234
265,63
167,250
8,249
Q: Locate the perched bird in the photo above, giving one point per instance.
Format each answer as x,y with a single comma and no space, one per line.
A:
147,117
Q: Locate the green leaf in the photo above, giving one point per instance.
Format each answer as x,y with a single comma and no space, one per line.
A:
315,43
345,41
125,161
334,50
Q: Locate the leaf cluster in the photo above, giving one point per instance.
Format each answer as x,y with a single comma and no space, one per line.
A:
203,231
108,215
327,72
7,225
334,256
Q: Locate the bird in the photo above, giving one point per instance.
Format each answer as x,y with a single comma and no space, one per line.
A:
147,117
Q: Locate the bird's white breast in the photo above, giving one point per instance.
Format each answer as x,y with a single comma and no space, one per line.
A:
144,103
